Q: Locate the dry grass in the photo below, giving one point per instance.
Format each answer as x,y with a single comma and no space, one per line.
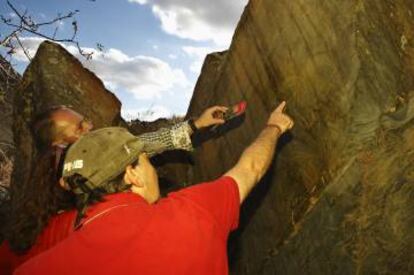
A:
6,168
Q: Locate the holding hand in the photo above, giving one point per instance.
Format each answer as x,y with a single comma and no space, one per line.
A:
207,119
279,119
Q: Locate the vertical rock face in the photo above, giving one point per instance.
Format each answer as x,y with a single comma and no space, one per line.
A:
339,197
9,81
206,83
55,77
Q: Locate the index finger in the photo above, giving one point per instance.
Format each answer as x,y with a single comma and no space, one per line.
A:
281,107
219,108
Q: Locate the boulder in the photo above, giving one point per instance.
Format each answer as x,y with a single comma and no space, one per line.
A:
9,80
338,198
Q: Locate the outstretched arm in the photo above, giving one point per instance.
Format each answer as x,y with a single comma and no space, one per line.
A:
257,158
177,136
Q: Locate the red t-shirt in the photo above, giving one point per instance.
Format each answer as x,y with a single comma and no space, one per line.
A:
58,228
185,233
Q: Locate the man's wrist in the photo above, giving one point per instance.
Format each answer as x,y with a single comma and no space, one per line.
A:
192,125
197,124
276,127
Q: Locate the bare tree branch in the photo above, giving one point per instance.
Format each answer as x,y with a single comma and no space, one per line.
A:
59,18
27,24
23,48
23,28
22,17
6,40
55,32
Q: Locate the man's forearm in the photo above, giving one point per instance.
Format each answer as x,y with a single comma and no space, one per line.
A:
260,153
255,160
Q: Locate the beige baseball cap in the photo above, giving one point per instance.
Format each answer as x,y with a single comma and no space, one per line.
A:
101,155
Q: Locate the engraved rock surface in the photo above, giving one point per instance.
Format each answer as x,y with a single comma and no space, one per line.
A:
339,197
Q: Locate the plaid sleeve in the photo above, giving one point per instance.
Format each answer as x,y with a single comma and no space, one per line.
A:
170,138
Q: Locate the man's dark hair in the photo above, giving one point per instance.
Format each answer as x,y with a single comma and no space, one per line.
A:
90,196
4,209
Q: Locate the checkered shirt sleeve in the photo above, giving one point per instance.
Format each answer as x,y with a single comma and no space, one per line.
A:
176,137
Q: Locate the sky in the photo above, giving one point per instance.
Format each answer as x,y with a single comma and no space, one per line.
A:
152,52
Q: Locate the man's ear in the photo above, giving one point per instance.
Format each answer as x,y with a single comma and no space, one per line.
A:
63,184
57,141
132,177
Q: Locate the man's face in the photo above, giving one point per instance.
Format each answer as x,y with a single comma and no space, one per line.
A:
147,173
70,126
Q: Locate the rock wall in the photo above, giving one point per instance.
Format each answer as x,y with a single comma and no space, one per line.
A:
339,197
9,80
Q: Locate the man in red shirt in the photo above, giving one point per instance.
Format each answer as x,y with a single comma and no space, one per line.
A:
60,127
128,230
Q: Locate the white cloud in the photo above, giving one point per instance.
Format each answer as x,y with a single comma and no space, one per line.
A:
146,114
30,44
172,56
198,20
144,76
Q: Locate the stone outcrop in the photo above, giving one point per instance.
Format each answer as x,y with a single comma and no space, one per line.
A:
54,77
339,197
206,83
9,80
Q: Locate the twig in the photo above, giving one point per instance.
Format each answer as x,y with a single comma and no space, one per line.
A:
8,37
22,17
59,18
27,24
23,48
